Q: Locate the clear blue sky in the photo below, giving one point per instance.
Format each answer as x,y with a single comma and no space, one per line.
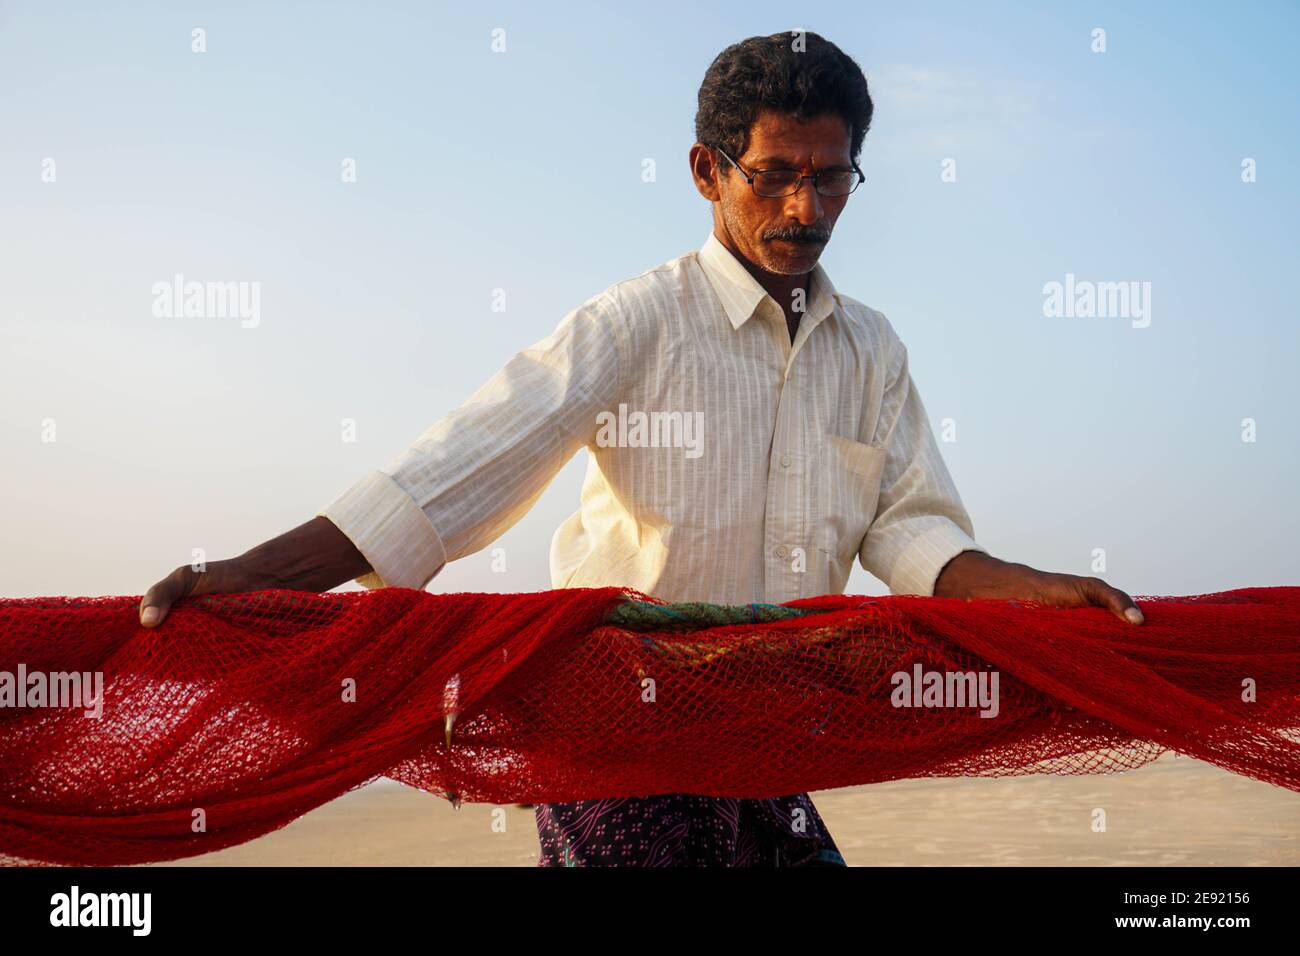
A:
522,170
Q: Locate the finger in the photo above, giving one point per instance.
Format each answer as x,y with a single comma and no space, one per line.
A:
1120,604
151,604
159,598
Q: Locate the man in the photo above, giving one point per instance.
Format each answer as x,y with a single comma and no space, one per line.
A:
751,430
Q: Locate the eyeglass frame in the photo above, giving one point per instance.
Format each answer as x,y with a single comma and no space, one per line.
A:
750,177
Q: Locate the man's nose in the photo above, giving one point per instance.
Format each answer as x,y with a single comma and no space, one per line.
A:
805,205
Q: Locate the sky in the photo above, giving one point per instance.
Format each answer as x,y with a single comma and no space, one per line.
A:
502,146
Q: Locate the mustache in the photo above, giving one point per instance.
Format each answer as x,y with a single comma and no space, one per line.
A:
797,234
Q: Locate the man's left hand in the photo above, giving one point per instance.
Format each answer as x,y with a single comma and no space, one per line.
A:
973,574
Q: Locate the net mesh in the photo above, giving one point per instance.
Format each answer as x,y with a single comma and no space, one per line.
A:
244,711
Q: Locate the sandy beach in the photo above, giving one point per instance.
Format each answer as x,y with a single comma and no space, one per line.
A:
1173,812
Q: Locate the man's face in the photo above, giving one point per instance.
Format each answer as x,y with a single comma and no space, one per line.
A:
784,235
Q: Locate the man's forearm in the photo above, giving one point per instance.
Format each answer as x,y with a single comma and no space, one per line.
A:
315,556
976,574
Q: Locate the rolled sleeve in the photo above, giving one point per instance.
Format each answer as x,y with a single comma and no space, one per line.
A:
390,530
476,471
920,522
917,567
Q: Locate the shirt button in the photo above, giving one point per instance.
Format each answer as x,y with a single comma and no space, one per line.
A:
785,461
781,551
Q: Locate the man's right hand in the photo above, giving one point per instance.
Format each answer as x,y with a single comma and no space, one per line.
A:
315,556
219,577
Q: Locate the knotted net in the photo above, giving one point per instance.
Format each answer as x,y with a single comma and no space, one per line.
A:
244,711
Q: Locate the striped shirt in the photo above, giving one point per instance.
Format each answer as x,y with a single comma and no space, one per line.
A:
725,462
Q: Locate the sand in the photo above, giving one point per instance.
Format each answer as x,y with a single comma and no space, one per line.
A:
1175,811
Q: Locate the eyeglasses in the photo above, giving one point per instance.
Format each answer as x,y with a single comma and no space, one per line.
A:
775,183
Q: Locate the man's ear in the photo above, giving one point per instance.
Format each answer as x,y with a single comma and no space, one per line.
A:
705,172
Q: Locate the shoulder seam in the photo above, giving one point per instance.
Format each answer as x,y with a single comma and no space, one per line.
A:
662,267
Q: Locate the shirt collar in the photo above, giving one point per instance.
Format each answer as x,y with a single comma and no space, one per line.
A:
741,293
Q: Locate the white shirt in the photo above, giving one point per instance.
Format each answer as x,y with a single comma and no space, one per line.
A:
769,468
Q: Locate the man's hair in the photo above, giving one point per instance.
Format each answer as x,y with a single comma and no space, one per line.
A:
771,73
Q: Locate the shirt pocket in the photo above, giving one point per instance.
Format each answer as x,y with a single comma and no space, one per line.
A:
851,476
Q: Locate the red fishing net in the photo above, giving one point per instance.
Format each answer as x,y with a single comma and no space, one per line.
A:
242,712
